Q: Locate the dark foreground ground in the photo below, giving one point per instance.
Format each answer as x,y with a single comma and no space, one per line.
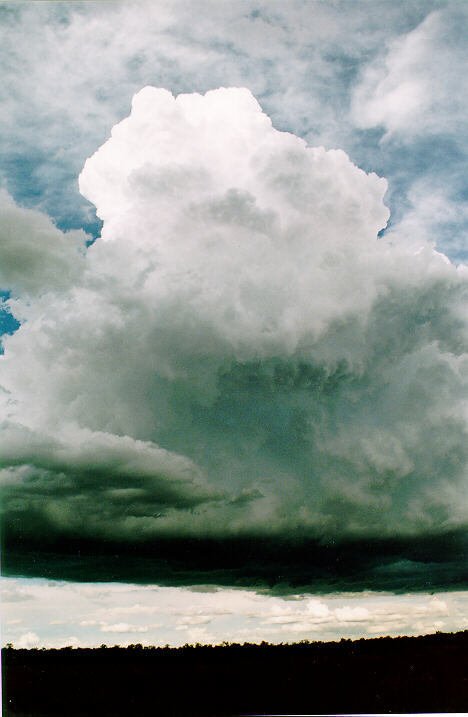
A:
405,674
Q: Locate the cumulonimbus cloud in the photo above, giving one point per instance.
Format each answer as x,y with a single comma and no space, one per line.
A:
247,384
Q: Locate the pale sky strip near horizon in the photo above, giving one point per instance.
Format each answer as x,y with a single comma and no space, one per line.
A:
234,326
56,614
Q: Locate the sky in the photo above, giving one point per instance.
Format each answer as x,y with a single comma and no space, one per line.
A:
233,285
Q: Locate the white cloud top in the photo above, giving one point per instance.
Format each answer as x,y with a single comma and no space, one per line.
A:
234,225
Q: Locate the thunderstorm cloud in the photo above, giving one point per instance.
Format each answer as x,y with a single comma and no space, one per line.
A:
245,380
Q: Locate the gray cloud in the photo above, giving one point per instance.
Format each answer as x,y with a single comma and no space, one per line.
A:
35,257
246,385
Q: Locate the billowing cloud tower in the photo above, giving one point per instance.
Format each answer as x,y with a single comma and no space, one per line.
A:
244,382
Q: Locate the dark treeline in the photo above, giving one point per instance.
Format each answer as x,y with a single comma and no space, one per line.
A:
403,674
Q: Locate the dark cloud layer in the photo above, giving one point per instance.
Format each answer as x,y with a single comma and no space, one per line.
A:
282,565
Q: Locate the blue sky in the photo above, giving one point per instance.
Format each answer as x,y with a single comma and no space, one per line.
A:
234,320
